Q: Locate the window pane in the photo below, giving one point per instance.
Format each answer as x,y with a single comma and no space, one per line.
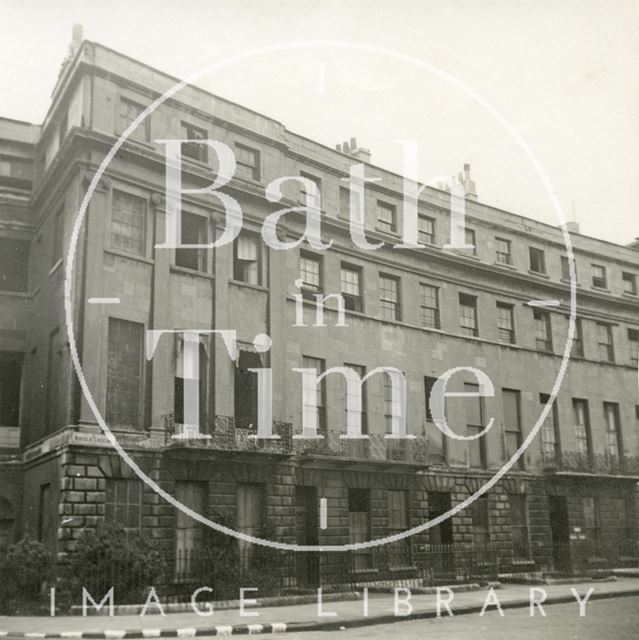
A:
429,306
127,223
124,374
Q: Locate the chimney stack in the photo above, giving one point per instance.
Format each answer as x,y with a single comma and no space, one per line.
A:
77,34
572,226
468,183
351,148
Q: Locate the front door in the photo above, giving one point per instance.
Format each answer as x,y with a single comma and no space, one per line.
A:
306,521
560,532
442,561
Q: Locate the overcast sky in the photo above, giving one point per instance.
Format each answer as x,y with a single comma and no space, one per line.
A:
563,72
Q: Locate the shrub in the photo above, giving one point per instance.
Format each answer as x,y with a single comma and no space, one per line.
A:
108,557
24,570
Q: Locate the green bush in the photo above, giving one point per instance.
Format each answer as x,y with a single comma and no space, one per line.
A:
25,571
222,569
108,557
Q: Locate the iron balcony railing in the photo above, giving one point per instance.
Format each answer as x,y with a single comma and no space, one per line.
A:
591,463
224,434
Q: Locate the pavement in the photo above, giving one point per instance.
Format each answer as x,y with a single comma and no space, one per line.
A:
380,609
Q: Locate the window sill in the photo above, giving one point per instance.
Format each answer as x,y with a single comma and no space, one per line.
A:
15,294
248,285
630,296
130,256
523,562
142,144
191,272
539,274
505,265
365,570
600,289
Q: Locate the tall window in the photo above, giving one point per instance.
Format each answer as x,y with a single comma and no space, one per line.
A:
425,230
10,378
624,522
592,522
199,152
194,231
386,217
550,443
470,240
613,430
599,277
128,215
565,268
247,162
503,251
57,237
519,526
361,372
18,171
310,274
512,422
629,283
392,405
633,350
480,521
247,259
582,427
359,525
537,260
123,503
604,342
179,383
506,322
14,264
345,196
344,211
468,315
245,388
251,516
54,400
45,521
124,374
398,523
474,426
129,111
351,285
316,392
429,306
578,340
436,439
188,532
389,297
429,383
543,331
317,197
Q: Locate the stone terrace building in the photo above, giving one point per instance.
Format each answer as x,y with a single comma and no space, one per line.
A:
423,311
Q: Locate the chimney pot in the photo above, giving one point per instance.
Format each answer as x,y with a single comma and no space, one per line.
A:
353,144
77,34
